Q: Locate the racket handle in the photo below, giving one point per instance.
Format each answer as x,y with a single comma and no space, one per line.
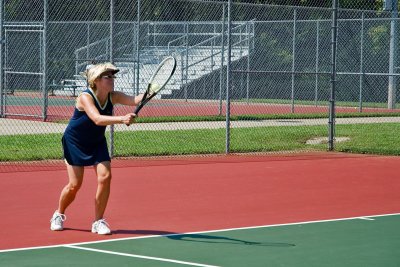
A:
141,104
137,109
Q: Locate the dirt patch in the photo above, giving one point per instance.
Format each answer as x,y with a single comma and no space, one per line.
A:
324,140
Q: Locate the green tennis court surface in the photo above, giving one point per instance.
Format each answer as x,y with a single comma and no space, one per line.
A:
367,241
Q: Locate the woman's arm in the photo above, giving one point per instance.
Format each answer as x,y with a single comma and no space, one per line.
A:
86,103
124,99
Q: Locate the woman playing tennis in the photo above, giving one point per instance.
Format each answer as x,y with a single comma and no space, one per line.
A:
84,142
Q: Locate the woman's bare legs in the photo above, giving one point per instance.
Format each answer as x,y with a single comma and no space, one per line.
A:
75,178
103,172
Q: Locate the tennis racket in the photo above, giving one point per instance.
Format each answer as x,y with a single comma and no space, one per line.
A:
157,82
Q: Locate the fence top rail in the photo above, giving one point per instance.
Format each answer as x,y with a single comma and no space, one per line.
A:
17,25
326,20
197,23
143,22
24,30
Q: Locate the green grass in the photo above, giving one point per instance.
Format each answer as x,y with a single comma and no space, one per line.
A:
30,147
364,138
370,138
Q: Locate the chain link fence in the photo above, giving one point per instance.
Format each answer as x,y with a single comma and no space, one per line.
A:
268,64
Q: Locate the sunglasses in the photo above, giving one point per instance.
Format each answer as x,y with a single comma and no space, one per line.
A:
108,77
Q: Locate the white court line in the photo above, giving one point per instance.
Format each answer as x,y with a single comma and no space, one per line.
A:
199,232
140,256
366,218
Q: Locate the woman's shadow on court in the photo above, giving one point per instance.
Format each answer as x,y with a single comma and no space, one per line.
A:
203,238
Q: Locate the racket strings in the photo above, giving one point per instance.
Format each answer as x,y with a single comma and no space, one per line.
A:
162,75
158,81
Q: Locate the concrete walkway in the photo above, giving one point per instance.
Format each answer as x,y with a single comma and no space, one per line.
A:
14,126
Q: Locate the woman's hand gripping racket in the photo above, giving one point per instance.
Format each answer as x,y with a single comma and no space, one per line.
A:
157,82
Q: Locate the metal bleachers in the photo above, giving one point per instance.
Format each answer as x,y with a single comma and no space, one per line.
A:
198,53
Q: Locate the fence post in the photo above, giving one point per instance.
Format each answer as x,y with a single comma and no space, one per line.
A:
111,55
186,61
2,44
248,63
362,75
333,75
294,58
221,77
317,65
228,80
44,60
137,48
392,57
87,43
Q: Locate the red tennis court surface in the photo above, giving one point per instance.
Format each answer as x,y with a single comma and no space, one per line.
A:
178,195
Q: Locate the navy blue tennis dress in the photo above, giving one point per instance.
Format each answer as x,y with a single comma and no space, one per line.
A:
84,142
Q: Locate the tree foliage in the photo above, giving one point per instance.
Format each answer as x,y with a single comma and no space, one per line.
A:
175,10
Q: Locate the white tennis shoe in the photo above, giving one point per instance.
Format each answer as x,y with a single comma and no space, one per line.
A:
101,227
57,221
